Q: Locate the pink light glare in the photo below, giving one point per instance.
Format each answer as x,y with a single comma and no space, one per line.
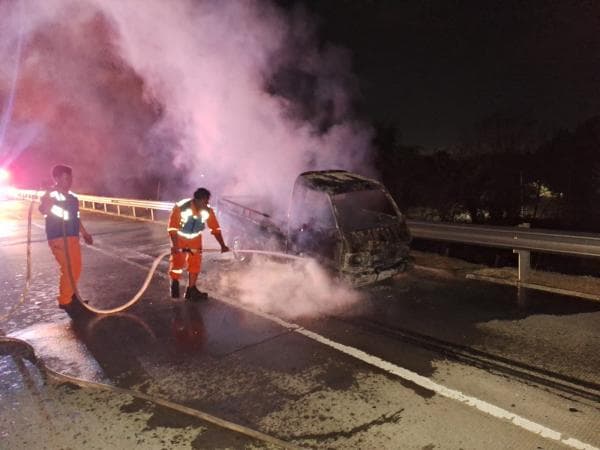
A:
208,63
174,89
4,175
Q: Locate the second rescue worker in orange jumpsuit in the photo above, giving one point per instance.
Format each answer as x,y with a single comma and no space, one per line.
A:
188,219
60,207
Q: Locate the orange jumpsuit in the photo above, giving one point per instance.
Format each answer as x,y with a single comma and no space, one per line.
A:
189,222
58,250
63,217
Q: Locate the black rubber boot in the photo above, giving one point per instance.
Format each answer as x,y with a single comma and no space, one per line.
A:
76,299
193,294
75,308
175,288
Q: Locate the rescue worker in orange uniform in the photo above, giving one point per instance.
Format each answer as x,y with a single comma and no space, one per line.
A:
60,207
188,219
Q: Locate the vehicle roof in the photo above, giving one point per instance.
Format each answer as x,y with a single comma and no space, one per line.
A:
337,181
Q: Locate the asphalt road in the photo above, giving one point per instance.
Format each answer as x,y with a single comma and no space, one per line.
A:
423,361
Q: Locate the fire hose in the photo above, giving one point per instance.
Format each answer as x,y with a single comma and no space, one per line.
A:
139,293
25,350
149,276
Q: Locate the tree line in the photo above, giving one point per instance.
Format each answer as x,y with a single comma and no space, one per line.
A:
505,171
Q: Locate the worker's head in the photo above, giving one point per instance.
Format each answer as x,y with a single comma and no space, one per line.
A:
63,176
201,197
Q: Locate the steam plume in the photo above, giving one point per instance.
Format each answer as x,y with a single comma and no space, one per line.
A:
298,290
234,95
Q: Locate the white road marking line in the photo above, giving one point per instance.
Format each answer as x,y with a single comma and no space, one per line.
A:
422,381
408,375
426,383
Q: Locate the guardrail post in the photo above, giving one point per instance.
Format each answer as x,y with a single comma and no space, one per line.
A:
524,259
524,264
118,209
133,210
152,214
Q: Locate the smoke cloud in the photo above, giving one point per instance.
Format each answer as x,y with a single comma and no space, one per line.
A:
291,290
149,98
154,98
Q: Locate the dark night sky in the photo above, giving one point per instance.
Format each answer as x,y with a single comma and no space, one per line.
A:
436,67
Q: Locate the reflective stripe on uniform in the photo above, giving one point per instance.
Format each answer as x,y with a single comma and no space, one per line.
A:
62,216
58,196
185,215
59,212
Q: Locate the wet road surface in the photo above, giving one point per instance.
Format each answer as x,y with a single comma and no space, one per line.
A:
36,414
249,356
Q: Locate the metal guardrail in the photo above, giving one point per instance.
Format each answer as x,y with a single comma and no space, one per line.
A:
521,240
517,238
126,207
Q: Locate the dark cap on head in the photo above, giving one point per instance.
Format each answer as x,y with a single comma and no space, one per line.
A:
61,169
202,193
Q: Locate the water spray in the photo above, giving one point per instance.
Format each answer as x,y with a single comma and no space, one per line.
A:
7,114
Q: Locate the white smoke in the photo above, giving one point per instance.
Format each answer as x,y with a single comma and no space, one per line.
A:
179,90
142,96
208,64
291,290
